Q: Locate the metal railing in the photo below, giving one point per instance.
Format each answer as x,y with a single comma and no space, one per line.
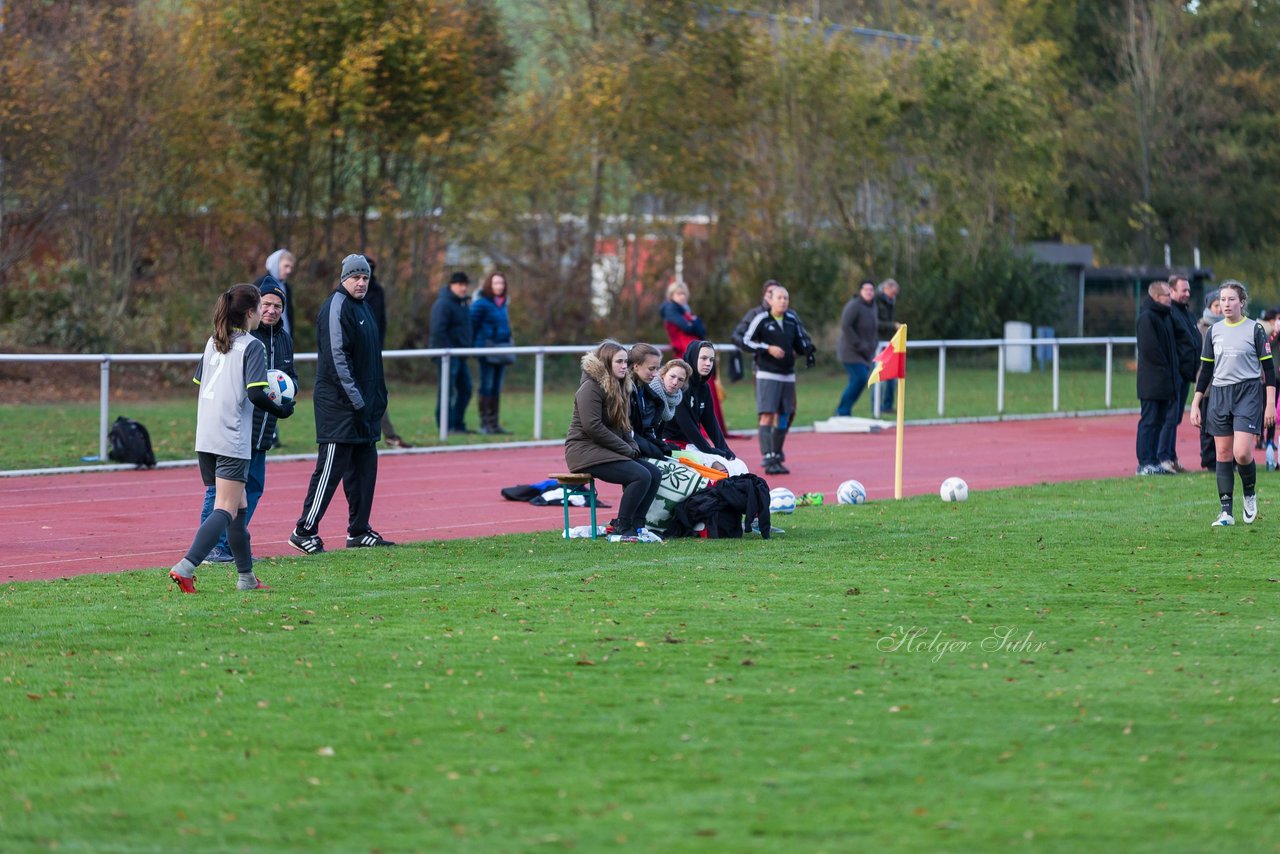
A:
540,353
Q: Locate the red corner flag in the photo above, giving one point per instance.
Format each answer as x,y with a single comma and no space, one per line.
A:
891,364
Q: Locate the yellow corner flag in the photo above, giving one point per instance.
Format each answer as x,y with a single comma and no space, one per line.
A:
891,364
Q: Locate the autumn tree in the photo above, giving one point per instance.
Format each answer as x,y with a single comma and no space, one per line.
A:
626,117
354,108
106,154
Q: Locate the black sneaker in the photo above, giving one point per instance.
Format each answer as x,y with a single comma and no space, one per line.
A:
311,544
368,539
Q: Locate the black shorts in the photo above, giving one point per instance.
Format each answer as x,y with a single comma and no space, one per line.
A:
228,468
775,396
1235,408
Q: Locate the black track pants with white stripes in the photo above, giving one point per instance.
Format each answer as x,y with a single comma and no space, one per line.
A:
357,467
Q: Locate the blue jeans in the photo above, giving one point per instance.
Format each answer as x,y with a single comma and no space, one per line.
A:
886,400
857,384
491,379
1167,444
1151,420
459,393
254,485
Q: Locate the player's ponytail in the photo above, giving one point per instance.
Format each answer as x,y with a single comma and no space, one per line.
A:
230,312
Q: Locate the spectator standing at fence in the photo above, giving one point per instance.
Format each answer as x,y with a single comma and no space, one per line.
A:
450,329
1157,374
279,350
350,397
886,308
232,376
776,338
1236,353
376,299
1187,340
856,345
600,441
683,328
491,327
280,266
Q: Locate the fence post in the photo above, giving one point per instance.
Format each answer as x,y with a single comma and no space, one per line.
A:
1108,396
1000,380
942,377
539,369
1056,354
444,397
104,406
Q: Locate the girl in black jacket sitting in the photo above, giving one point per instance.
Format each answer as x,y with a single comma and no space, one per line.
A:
695,421
646,405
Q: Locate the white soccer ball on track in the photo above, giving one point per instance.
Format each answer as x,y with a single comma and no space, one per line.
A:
782,500
954,489
851,492
280,386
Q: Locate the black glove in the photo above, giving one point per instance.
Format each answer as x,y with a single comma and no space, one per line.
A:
811,358
726,453
286,407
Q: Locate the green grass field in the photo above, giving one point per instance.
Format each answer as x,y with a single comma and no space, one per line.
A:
47,436
1071,667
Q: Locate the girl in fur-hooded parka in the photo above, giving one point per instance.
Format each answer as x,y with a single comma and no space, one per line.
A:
599,441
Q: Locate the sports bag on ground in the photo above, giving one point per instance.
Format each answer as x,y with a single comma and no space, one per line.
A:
130,443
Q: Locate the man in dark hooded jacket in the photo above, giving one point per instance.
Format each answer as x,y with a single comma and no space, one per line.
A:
350,397
450,328
1158,374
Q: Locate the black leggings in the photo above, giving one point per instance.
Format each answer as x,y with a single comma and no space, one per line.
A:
639,480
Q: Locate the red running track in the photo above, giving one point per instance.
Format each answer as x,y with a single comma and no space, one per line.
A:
54,526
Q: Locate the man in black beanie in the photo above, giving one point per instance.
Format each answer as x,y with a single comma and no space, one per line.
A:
350,398
451,328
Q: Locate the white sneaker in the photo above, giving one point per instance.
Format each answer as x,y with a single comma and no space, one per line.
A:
1224,519
1250,508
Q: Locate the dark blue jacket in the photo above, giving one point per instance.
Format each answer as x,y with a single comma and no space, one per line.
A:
489,322
450,322
646,421
350,395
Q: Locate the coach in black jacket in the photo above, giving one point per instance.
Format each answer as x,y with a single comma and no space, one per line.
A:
350,398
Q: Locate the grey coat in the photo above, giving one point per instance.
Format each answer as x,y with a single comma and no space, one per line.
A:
858,327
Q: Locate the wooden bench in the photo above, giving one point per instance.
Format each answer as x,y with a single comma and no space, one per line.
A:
577,483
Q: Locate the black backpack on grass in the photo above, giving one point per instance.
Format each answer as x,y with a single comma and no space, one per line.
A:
131,443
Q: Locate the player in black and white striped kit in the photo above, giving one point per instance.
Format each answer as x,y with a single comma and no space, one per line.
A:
232,376
1235,360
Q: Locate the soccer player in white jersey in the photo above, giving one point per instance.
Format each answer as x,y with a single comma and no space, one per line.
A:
1235,367
232,376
